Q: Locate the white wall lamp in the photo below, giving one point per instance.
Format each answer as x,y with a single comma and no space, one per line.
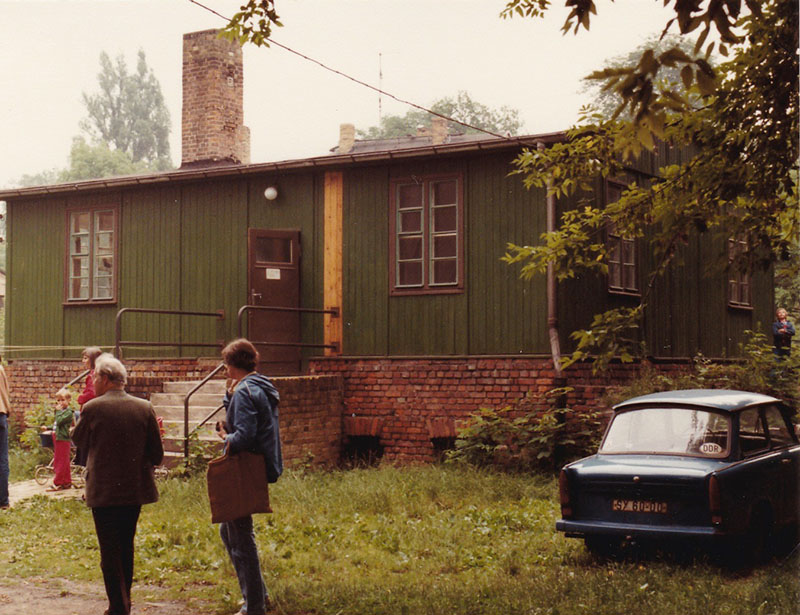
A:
271,193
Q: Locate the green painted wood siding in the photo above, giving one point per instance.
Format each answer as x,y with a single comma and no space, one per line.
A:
213,237
35,269
687,311
497,313
365,283
506,314
150,274
181,247
184,246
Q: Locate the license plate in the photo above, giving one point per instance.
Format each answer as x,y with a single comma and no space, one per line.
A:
642,506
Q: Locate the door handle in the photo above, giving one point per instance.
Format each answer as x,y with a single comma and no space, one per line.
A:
256,296
786,460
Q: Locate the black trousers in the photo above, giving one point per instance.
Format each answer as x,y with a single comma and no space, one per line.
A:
116,527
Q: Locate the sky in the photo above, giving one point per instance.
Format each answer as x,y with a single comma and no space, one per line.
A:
425,49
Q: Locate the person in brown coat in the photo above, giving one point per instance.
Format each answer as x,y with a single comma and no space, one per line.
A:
123,444
5,410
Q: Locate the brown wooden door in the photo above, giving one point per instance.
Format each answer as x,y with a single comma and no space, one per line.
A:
274,270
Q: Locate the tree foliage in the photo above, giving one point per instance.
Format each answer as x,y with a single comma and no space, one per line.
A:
742,182
129,112
128,126
607,102
88,161
462,107
638,85
253,23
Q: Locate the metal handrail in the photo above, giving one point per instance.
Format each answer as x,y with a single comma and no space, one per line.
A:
118,343
76,378
334,312
239,318
206,420
186,408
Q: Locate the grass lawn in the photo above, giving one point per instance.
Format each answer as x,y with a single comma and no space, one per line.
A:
423,540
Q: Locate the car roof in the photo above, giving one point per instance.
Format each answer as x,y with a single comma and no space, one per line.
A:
713,399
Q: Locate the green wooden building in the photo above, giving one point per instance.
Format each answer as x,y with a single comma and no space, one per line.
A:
406,245
380,262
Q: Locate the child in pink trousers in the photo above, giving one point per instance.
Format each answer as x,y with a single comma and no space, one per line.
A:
61,442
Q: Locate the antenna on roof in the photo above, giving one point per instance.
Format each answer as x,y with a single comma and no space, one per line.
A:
380,87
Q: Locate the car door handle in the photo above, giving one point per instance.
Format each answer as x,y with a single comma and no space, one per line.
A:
786,460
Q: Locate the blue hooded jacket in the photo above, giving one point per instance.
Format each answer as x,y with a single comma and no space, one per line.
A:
251,420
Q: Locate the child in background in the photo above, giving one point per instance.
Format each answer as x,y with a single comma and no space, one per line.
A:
88,357
61,442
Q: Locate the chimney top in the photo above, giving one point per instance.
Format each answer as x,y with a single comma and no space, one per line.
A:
347,138
213,131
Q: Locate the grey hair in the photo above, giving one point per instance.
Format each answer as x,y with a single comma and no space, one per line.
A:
108,365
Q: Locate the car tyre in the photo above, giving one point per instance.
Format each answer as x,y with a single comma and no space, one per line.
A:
758,540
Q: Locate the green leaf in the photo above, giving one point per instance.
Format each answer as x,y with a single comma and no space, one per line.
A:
706,83
687,76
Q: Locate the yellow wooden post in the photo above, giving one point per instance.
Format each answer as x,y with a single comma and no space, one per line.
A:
332,279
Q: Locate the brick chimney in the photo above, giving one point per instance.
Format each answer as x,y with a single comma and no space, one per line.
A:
438,130
347,138
213,131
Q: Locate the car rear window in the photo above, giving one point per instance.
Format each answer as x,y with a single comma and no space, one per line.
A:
671,431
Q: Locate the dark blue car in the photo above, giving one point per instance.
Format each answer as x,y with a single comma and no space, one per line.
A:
714,465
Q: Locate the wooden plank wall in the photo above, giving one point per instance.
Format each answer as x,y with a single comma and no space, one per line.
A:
365,265
184,246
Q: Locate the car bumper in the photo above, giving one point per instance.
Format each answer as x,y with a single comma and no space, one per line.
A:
606,528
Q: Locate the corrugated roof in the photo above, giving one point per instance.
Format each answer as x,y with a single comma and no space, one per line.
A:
319,162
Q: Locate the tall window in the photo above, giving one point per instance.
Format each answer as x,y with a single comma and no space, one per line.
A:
427,235
738,281
91,255
623,274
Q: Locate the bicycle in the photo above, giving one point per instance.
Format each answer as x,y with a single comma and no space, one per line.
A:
45,472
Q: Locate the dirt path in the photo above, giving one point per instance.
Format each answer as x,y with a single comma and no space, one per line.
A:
66,597
42,596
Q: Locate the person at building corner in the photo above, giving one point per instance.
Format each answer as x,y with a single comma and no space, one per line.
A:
782,332
251,424
123,444
5,411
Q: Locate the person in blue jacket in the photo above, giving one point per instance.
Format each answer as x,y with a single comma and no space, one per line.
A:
782,332
251,424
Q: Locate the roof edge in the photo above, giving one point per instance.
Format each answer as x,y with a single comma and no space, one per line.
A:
317,162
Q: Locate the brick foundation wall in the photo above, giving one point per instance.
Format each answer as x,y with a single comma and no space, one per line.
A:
310,408
405,403
417,399
32,379
311,419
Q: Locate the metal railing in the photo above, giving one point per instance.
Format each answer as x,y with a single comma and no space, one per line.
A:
245,308
194,390
77,378
240,332
119,343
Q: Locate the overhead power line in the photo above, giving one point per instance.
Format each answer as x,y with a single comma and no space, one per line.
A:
272,41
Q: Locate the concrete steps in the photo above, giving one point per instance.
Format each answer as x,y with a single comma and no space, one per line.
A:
169,405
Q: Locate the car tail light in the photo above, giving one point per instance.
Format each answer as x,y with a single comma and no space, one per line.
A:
714,500
563,494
